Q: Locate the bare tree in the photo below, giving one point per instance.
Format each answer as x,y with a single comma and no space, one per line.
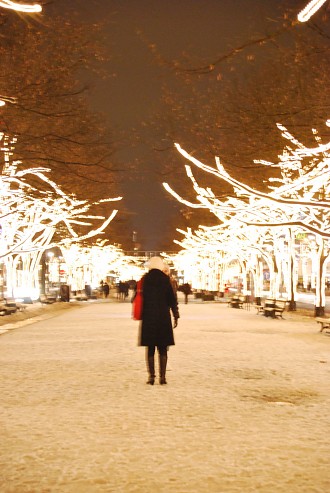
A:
230,105
43,62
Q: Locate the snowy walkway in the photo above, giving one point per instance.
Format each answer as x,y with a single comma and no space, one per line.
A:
246,408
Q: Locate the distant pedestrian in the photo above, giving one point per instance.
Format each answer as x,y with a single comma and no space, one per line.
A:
186,289
132,288
126,289
174,282
101,293
88,290
122,290
106,289
156,330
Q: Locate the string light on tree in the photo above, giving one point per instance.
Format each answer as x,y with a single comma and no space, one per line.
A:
38,217
29,9
310,9
298,203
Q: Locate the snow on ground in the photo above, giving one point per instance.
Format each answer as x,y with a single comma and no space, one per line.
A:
246,408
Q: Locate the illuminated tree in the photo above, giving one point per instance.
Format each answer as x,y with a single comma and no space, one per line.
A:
233,213
88,265
44,62
250,249
80,265
229,105
38,216
294,204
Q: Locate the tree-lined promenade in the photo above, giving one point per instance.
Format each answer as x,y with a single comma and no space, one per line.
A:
245,408
269,237
283,232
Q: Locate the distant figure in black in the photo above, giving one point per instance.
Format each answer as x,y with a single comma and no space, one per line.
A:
106,289
156,326
101,288
174,282
122,290
186,289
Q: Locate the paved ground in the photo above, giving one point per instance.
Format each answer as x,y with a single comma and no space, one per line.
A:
246,408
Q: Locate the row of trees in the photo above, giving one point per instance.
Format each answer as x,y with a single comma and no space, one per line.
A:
275,69
80,265
36,215
230,106
47,61
53,147
255,225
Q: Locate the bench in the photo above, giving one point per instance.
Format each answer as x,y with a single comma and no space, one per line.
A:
259,308
269,307
7,310
47,299
236,301
279,308
272,308
12,303
266,307
208,297
80,297
324,322
9,306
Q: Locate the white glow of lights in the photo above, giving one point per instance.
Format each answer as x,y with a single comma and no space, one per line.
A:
254,223
310,9
29,223
87,265
7,4
7,99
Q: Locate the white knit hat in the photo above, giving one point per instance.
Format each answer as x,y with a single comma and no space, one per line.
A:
155,263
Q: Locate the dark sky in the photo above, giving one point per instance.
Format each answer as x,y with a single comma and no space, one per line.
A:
204,29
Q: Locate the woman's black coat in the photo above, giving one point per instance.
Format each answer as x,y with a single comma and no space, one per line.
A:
158,299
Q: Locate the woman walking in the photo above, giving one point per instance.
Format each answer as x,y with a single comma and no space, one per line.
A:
156,330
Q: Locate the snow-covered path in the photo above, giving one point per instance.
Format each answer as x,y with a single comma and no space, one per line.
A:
246,408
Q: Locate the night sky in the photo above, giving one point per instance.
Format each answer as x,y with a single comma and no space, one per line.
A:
204,29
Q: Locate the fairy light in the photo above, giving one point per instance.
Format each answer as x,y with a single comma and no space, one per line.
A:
7,4
7,99
310,9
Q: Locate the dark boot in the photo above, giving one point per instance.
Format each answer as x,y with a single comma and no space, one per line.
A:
162,369
151,370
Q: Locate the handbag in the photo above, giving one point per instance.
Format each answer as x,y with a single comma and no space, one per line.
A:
138,301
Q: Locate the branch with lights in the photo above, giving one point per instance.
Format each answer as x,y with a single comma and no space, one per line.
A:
20,7
298,202
33,220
